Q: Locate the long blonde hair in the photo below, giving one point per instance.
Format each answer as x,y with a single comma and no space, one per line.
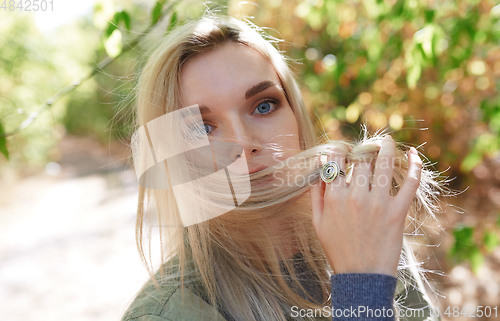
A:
236,256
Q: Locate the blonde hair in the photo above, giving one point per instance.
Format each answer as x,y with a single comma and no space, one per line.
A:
235,256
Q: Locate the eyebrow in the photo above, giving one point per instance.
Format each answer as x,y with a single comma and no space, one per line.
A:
250,93
205,110
259,87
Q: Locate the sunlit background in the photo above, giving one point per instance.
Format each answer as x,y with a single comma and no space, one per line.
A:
428,71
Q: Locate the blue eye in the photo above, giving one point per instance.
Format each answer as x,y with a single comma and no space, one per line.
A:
199,131
206,129
265,107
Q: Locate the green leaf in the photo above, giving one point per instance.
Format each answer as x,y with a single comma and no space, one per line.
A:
110,29
429,15
424,38
498,219
3,143
470,161
476,259
413,76
464,243
155,15
173,22
487,143
113,24
113,44
465,249
125,17
490,240
463,233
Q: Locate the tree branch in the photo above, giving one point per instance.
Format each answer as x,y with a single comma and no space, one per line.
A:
77,82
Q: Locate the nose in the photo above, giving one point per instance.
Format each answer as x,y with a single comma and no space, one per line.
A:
246,137
254,150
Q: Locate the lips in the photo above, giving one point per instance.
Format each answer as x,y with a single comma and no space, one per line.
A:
257,169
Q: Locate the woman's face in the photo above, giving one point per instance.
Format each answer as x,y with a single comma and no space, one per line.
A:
241,100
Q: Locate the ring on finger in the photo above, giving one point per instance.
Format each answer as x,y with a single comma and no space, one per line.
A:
330,171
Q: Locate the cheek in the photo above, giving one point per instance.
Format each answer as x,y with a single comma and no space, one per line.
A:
286,131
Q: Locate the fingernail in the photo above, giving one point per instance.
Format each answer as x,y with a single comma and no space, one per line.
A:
388,137
413,150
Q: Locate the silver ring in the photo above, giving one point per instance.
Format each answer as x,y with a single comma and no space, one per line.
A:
330,171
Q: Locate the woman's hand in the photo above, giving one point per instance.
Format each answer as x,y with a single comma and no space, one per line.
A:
361,229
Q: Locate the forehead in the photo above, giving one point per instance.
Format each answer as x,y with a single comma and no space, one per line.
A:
232,67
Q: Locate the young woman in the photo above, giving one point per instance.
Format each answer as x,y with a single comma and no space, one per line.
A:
258,218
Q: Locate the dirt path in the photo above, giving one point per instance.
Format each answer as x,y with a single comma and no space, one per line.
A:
67,247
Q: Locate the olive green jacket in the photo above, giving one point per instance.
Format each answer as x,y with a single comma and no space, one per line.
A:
167,304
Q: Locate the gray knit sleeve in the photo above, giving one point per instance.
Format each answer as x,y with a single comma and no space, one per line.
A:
363,296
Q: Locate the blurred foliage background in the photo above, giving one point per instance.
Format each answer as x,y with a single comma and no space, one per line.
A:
429,71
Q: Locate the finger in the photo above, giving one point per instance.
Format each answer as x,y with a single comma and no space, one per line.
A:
339,182
316,194
384,167
361,174
412,181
